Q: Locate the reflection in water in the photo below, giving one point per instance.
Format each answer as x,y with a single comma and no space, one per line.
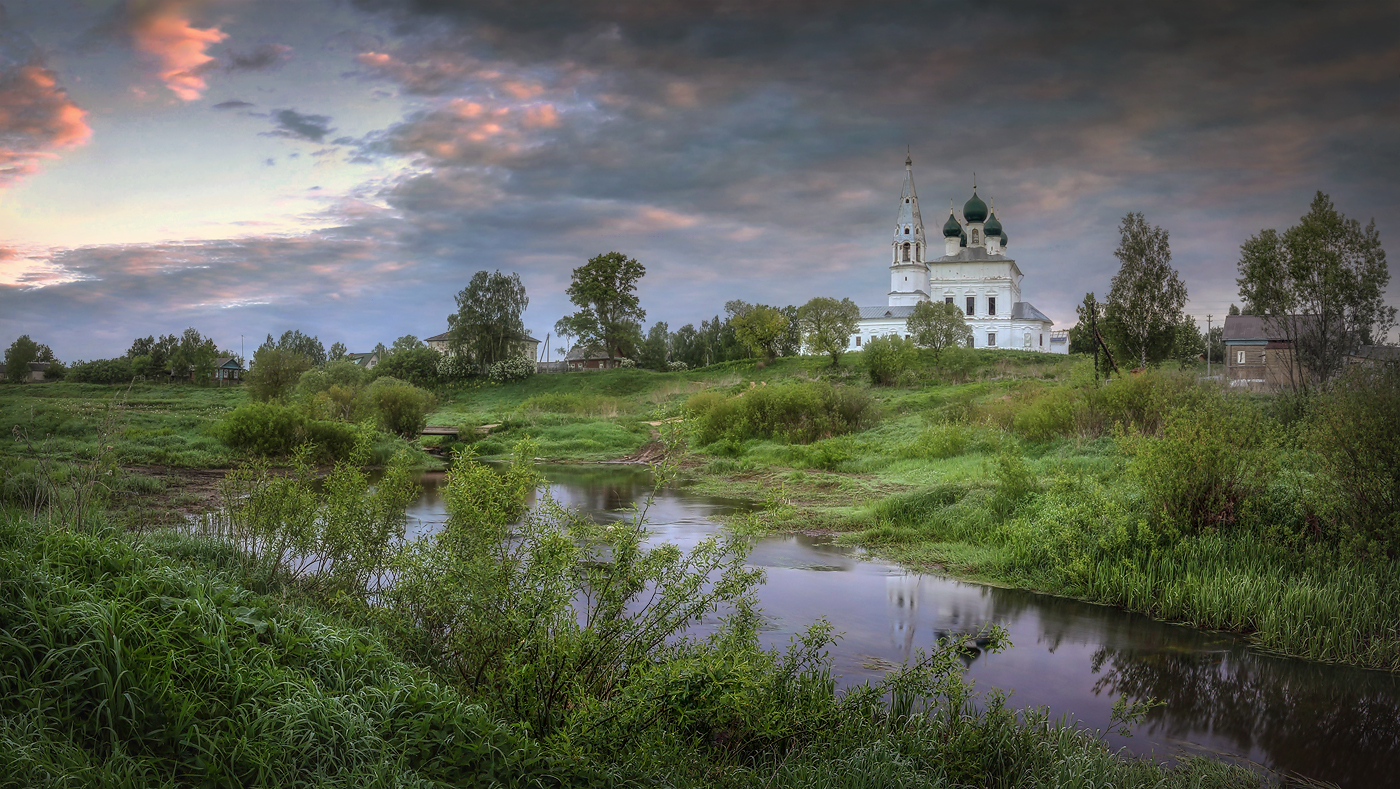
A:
1333,723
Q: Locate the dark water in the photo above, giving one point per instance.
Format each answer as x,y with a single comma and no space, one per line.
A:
1223,699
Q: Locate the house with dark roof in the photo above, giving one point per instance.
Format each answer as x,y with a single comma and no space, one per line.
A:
1259,354
227,370
524,345
369,361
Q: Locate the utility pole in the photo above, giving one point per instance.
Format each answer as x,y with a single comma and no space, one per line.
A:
1208,317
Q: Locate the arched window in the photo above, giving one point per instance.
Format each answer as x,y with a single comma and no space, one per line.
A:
906,230
975,239
906,251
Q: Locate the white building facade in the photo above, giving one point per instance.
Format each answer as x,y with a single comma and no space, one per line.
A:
972,272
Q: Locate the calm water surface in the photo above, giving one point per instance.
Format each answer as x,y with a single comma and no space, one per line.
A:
1223,699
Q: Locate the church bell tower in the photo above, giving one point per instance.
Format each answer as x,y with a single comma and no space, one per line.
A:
909,249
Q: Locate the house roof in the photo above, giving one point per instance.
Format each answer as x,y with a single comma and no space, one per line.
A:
1259,327
576,354
225,361
1380,353
38,367
1025,311
873,313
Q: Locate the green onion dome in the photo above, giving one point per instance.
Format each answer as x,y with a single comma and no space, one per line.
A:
1003,240
993,227
974,210
964,239
952,228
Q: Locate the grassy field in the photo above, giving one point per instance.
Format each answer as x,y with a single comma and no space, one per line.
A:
1007,467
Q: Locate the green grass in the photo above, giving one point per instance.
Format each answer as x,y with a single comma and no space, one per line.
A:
159,425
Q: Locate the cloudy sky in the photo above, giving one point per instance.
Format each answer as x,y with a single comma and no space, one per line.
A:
344,166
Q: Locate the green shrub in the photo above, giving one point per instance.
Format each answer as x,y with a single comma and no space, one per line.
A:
1353,430
796,412
275,374
417,366
399,406
1049,414
266,429
1209,460
101,371
938,442
887,357
1015,484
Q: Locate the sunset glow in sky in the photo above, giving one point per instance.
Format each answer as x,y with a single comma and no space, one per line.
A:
343,167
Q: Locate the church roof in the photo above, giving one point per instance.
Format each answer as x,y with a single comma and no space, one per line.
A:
1025,311
867,313
909,208
970,253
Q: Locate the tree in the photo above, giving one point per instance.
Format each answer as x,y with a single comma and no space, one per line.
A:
417,365
827,325
1146,297
408,342
488,324
609,315
938,326
1322,284
1189,347
275,372
20,353
1234,310
1081,337
760,329
655,351
687,346
886,357
194,356
337,352
293,341
790,341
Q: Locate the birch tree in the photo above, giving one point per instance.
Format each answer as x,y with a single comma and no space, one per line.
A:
1147,295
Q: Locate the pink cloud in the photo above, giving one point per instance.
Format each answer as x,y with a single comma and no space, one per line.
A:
36,118
178,47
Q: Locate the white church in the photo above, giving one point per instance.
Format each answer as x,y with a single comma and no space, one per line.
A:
973,272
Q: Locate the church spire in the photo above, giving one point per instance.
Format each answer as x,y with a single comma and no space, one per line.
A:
910,227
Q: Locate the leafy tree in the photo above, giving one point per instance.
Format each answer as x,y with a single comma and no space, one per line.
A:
1190,344
886,357
141,346
381,350
827,325
294,341
761,329
687,346
609,315
155,353
1146,297
408,342
337,352
790,341
275,372
101,371
1322,283
23,351
1081,337
488,323
938,326
418,366
194,357
1234,310
655,350
1215,344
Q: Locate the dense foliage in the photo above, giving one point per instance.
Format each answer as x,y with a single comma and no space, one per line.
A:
886,357
275,373
939,326
101,371
1147,295
827,325
487,325
609,313
795,412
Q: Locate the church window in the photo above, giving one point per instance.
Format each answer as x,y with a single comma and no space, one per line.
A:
971,305
857,340
991,339
969,342
991,305
1042,340
947,299
906,251
975,239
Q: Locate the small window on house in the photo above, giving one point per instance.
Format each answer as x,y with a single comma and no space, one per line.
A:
947,299
991,305
906,336
1239,358
971,305
857,340
991,339
1263,357
969,342
1042,340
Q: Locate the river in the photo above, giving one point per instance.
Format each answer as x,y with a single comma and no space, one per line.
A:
1223,698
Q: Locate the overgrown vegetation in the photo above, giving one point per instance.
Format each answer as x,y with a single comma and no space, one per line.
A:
460,659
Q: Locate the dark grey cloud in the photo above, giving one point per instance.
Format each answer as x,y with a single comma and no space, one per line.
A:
294,125
232,104
260,58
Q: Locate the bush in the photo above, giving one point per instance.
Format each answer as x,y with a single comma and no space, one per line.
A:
798,412
626,364
1048,415
1353,430
938,442
677,367
399,406
418,366
1209,460
887,357
102,371
266,429
516,368
275,373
